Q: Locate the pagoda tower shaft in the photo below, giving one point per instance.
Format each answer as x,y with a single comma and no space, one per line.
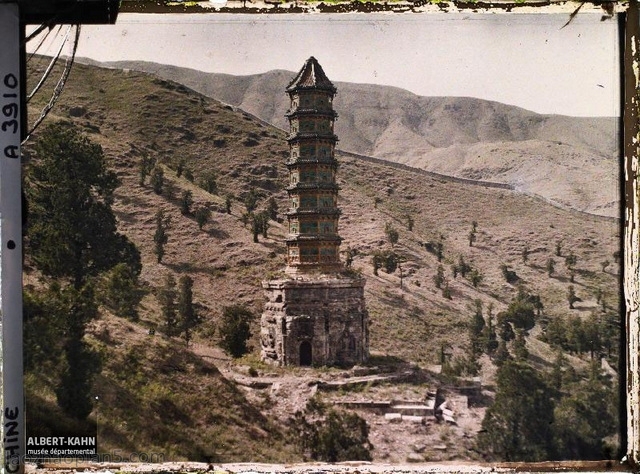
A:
313,243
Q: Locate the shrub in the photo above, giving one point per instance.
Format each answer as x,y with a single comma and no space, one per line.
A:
121,293
202,214
157,179
227,203
438,278
146,165
392,234
475,277
209,182
509,275
186,200
235,330
330,435
387,260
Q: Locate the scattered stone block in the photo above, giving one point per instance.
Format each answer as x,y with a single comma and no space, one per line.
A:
393,417
415,457
413,418
418,448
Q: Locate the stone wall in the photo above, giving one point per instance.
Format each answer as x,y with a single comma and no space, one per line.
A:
315,322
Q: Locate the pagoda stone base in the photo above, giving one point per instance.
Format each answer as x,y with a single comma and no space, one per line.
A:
315,322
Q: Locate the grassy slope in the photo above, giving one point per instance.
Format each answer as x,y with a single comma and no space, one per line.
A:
153,389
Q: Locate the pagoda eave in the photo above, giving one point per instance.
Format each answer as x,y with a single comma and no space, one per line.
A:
311,186
333,239
315,211
315,87
314,112
312,161
312,136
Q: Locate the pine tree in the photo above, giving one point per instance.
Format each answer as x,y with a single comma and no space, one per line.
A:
180,167
72,228
167,300
227,203
145,167
209,182
272,208
476,326
202,215
391,233
551,264
81,363
349,254
518,425
440,250
521,310
446,291
330,435
264,223
520,346
438,279
502,353
73,238
376,263
256,226
570,262
593,334
556,374
160,237
157,179
475,277
489,336
585,417
188,318
472,238
555,333
121,291
571,296
505,331
186,201
463,267
410,223
251,200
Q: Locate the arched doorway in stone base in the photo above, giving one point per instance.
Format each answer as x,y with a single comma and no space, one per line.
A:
306,355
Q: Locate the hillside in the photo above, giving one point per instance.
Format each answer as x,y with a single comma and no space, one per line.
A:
133,115
569,161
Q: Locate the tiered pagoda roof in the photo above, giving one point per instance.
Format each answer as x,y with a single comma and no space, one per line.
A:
311,76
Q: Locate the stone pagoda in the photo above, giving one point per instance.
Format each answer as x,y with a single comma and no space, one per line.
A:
317,314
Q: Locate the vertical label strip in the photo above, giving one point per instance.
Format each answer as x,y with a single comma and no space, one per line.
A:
13,429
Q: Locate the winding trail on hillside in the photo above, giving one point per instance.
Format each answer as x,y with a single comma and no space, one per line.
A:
472,182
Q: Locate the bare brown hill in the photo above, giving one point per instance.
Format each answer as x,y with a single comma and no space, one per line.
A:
135,115
569,161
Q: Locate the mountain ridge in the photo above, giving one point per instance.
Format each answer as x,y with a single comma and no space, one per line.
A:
568,161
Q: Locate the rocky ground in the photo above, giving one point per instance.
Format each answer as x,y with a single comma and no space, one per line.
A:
279,393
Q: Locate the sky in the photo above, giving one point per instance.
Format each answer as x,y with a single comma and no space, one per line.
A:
527,60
